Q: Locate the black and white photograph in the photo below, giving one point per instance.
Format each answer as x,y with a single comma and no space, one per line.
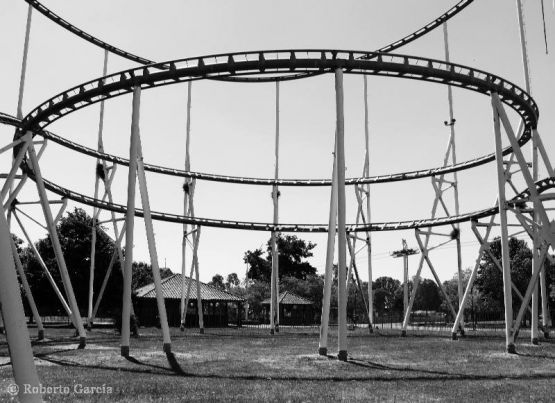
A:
277,201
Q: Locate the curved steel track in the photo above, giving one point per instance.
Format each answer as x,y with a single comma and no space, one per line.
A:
281,63
461,5
275,66
541,186
402,176
277,63
450,13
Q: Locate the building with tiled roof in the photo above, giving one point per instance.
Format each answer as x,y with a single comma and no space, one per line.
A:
293,309
288,298
219,306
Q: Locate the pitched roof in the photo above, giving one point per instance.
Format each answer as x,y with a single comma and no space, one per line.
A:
171,288
288,298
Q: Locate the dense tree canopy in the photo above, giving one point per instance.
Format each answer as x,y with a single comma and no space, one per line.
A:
217,282
75,234
427,296
490,279
292,254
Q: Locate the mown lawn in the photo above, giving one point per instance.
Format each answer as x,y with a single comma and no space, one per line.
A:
248,365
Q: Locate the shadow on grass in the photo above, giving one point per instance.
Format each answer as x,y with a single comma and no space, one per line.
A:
172,361
419,374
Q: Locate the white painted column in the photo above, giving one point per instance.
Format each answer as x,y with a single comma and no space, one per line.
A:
143,188
27,290
368,209
328,277
508,298
24,63
100,148
130,223
57,246
274,283
200,308
186,191
45,269
341,231
534,155
17,334
460,286
405,282
117,251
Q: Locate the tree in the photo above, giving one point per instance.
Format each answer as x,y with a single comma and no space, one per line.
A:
489,279
387,283
218,282
386,289
427,296
75,234
292,254
257,292
259,267
74,231
232,281
311,288
142,274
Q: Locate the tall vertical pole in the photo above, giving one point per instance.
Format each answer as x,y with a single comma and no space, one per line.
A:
507,292
368,210
341,214
93,256
45,269
27,289
460,285
274,283
534,156
200,307
130,223
143,189
52,230
328,277
405,282
24,63
17,334
186,190
95,209
109,271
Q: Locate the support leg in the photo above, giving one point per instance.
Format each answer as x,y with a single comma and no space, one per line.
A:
17,334
341,231
130,223
57,247
328,277
508,299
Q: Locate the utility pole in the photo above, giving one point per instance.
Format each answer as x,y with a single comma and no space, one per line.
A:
405,253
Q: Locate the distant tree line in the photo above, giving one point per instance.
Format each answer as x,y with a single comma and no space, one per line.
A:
296,275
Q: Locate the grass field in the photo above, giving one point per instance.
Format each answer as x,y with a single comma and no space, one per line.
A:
250,365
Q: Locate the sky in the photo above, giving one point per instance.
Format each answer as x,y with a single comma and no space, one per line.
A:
232,125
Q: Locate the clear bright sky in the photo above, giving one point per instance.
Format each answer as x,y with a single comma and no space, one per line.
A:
233,124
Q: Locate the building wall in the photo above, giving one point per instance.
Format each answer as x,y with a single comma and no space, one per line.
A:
215,313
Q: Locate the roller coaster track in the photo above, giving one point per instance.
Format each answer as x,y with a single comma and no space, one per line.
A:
274,66
279,63
13,121
259,181
461,5
541,186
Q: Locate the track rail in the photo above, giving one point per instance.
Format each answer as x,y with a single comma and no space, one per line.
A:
402,176
541,186
281,63
450,13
